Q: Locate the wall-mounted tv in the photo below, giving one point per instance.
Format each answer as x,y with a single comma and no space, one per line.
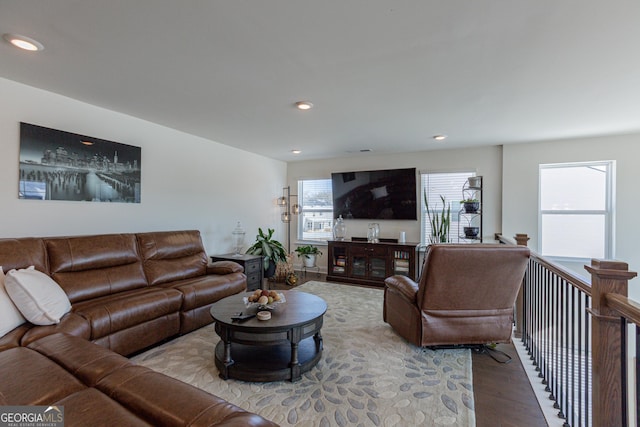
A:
377,194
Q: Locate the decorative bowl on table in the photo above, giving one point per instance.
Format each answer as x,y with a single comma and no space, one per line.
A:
264,300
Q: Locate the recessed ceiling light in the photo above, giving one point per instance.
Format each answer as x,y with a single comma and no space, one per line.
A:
296,151
440,137
23,42
87,142
304,105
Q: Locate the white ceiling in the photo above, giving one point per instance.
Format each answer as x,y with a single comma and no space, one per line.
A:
383,75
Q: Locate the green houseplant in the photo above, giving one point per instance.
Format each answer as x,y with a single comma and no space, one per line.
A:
440,221
309,254
271,249
470,205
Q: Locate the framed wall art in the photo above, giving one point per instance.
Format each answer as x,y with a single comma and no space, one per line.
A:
58,165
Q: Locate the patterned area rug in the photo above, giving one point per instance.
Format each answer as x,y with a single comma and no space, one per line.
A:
368,375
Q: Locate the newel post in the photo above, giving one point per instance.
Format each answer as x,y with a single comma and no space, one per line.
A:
607,277
521,240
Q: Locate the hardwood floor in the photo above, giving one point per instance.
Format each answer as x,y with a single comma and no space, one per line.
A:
502,393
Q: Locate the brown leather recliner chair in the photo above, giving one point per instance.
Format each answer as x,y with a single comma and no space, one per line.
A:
465,295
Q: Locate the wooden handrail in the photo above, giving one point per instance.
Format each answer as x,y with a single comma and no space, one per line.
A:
564,273
504,239
561,271
625,307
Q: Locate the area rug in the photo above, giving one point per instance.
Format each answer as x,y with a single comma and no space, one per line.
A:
368,375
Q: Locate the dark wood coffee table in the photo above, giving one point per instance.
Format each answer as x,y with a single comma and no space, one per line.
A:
282,348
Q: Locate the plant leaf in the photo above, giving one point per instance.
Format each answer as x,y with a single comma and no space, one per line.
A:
267,249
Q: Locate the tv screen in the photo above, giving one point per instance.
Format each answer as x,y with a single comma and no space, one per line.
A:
379,194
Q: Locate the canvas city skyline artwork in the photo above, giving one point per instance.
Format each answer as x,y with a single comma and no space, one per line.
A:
58,165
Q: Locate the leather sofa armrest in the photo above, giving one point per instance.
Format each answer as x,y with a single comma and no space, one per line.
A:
224,267
404,285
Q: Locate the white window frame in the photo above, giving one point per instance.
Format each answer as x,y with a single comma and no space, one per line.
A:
607,212
453,197
324,209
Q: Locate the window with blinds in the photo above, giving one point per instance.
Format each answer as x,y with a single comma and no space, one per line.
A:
316,220
446,184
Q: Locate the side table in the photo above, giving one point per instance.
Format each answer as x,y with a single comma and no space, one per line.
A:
252,267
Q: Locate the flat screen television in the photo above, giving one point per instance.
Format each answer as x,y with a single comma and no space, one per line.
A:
377,194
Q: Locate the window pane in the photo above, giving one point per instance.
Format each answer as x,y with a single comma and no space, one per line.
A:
580,187
316,225
316,220
581,236
316,193
448,185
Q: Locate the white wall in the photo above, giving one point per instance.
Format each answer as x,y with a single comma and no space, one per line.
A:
520,189
486,161
187,182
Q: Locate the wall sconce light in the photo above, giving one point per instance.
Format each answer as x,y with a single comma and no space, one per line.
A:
289,210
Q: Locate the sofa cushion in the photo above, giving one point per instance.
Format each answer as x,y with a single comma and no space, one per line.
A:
200,293
138,387
89,267
10,316
88,362
136,393
91,407
141,336
224,267
29,378
21,253
172,255
71,323
37,296
123,310
205,290
14,337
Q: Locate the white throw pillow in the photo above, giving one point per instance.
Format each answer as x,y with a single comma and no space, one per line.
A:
10,316
40,300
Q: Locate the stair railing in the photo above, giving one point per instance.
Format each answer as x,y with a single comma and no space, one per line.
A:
576,335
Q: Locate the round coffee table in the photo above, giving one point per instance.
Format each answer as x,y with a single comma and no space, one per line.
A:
281,348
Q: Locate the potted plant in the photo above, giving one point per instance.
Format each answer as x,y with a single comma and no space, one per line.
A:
475,181
440,221
471,205
471,232
272,251
308,253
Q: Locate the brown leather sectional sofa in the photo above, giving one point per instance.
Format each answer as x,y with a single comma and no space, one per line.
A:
128,292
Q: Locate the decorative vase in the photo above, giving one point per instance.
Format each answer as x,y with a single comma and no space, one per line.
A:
238,239
339,229
373,234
